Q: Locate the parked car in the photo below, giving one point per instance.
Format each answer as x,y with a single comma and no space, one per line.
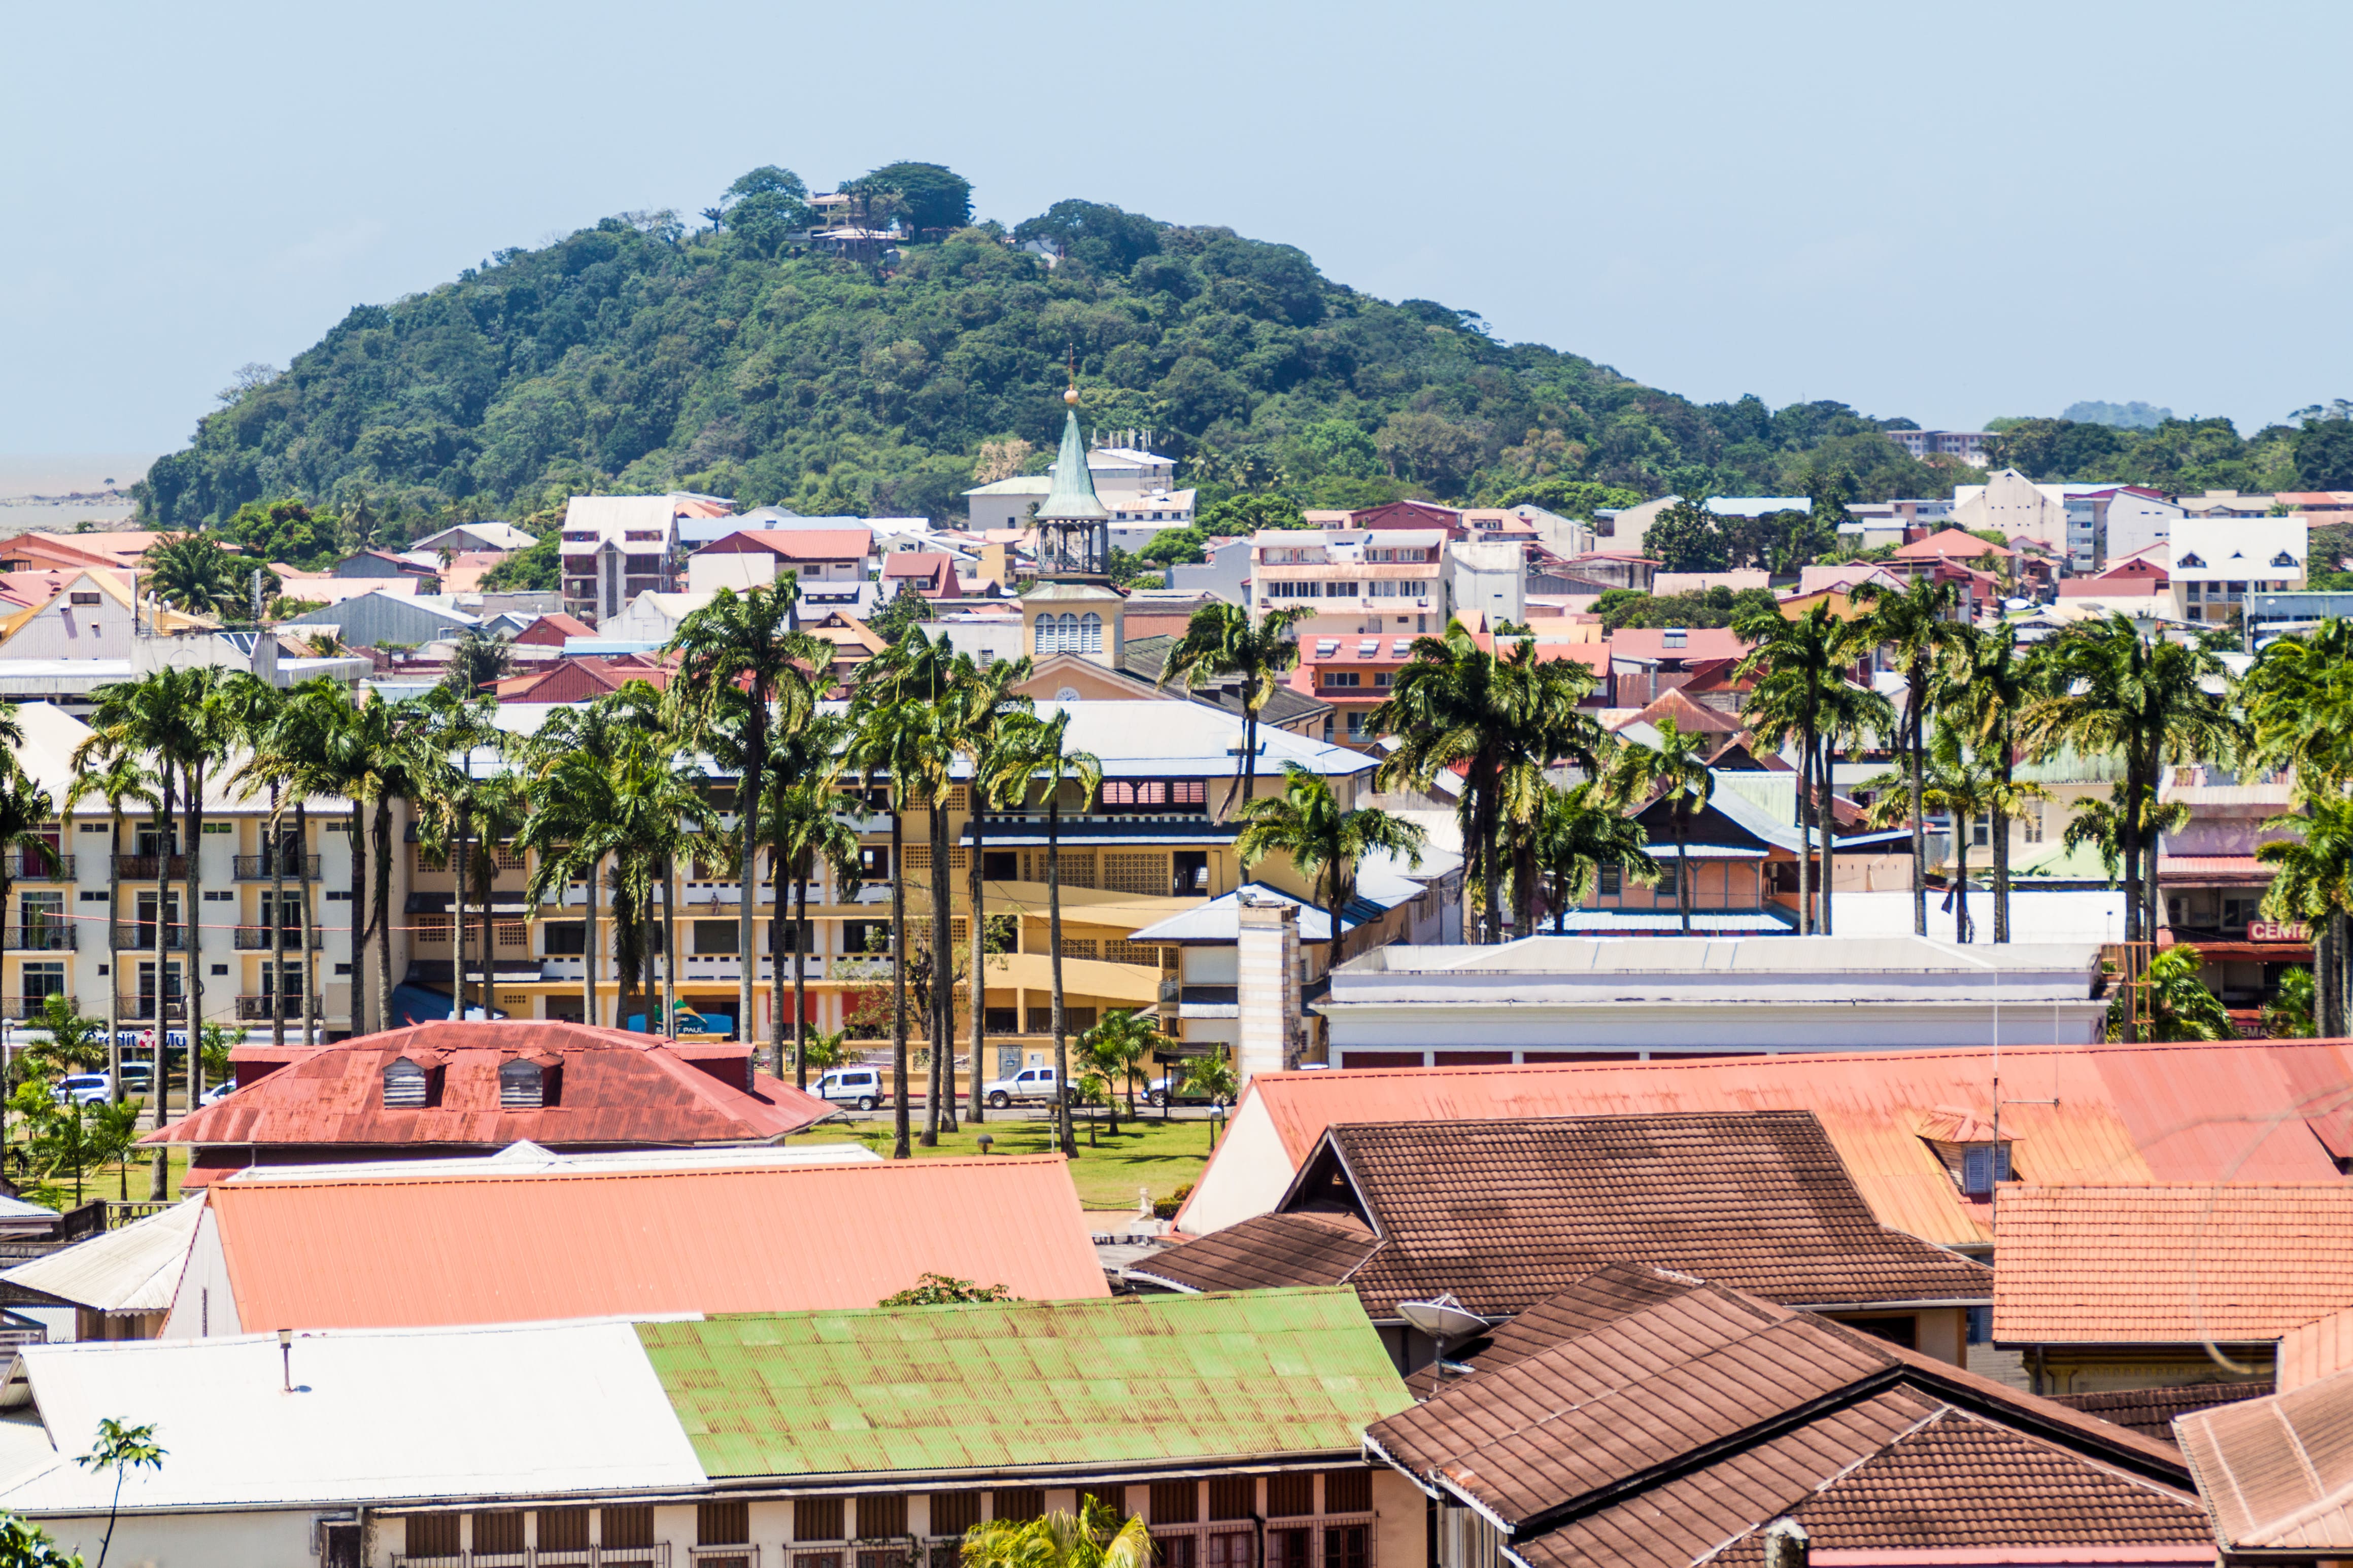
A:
218,1092
861,1087
1029,1086
81,1089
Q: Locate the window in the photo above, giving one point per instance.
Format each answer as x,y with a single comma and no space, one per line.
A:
881,1516
1612,881
630,1527
39,980
497,1534
564,938
722,1523
1980,832
405,1088
2190,561
2030,821
952,1514
1176,1502
1982,1165
1090,633
1020,1504
817,1519
81,599
563,1529
432,1535
716,937
1347,678
520,1085
1347,1491
1232,1497
1666,888
1290,1496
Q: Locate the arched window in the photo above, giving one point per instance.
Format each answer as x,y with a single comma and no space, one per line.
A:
405,1085
520,1086
1066,638
1044,641
1090,633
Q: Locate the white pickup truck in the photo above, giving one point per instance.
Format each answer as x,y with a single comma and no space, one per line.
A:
1031,1084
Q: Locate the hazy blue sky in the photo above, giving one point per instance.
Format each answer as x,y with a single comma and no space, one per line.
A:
1944,211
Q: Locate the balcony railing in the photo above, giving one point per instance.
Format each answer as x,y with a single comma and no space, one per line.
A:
654,1556
145,867
45,938
41,869
249,1008
23,1007
264,868
262,938
176,1008
139,937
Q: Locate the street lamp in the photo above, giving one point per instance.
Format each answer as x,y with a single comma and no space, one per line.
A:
1217,1116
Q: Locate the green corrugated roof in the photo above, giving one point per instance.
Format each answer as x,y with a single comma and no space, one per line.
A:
1142,1380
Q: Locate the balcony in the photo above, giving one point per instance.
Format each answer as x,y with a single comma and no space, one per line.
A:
656,1555
252,1009
262,938
141,938
20,1008
148,868
134,1009
42,938
41,869
264,868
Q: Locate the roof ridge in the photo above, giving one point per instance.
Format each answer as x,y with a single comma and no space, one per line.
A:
1819,1487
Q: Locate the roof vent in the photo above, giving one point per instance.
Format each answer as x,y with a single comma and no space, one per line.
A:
405,1085
1674,636
521,1085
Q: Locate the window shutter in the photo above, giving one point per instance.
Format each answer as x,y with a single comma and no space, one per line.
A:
1976,1171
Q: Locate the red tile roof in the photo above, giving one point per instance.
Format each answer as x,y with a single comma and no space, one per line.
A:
2170,1265
1950,543
388,1251
1688,715
1502,1213
551,630
1664,1432
2257,1110
796,543
613,1090
2151,1412
1699,643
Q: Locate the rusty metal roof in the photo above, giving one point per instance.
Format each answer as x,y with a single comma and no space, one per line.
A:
614,1089
1144,1382
2170,1265
2267,1110
385,1250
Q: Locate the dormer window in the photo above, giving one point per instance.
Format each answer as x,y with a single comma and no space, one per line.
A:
405,1085
2283,559
1983,1165
2191,560
522,1086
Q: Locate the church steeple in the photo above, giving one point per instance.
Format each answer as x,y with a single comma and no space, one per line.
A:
1073,536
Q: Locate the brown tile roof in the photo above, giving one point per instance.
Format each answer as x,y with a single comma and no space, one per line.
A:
1502,1213
2277,1473
616,1090
2151,1411
1584,1305
1668,1435
2170,1265
1270,1251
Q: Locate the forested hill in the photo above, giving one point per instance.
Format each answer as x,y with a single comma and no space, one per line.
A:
639,356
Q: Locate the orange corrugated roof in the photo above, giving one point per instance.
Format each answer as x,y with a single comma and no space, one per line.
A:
2172,1263
392,1251
2243,1110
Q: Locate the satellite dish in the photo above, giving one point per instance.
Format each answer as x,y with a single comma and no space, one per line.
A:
1443,1320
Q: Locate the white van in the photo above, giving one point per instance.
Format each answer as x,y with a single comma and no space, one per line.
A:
861,1087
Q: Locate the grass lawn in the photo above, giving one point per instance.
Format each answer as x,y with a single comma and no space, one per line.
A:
1151,1153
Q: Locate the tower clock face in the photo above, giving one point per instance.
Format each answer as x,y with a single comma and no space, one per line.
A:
1068,694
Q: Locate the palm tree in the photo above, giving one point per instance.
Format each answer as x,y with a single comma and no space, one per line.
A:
1675,766
2289,1014
1324,842
1123,1039
1964,787
1032,753
750,644
292,755
1461,706
805,827
980,700
2298,703
2312,882
1221,639
1581,831
26,813
115,777
1094,1538
1987,686
1915,627
121,1448
1796,662
191,571
2175,1003
2113,690
567,835
450,796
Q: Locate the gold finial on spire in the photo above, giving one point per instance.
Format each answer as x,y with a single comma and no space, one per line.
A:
1070,393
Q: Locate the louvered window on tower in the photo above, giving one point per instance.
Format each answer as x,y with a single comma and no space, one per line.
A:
521,1085
404,1084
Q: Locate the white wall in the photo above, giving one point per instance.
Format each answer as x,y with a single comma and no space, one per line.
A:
1246,1179
2135,523
67,630
255,1539
739,570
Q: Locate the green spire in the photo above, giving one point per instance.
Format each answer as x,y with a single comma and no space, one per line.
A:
1073,499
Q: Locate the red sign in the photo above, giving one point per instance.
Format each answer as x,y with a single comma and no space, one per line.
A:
2274,930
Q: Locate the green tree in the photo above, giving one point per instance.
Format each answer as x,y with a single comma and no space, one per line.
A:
932,1289
1093,1538
2290,1013
191,571
1582,832
1916,629
1212,1078
981,703
23,1544
121,1448
1115,1044
929,195
1985,689
1963,784
1687,537
1033,754
1221,640
2174,1002
766,207
1673,766
1797,663
1324,842
27,815
2312,883
804,827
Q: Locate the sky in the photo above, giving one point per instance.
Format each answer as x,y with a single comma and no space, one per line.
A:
1944,214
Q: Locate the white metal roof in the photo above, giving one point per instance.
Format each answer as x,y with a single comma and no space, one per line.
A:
377,1417
133,1270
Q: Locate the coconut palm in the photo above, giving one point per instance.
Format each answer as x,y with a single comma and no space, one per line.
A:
1222,640
2297,698
1582,831
2174,1002
449,794
749,643
1326,843
2312,883
1094,1538
1915,627
116,777
1123,1039
804,826
1032,753
1797,662
568,834
1673,766
980,700
2290,1013
290,755
2151,700
191,571
1964,787
1985,687
1460,707
27,816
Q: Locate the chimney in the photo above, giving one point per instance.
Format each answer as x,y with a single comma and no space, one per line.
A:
1786,1544
1267,994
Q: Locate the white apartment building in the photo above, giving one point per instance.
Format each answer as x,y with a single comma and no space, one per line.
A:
61,936
616,547
1356,581
1968,446
1134,484
2218,561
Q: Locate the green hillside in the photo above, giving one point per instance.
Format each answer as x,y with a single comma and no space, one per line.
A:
637,355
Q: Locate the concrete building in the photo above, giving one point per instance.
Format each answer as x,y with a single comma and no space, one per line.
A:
616,547
1492,577
2218,561
1663,998
1356,582
1136,484
1968,446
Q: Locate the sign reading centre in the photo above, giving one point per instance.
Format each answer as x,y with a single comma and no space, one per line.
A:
2277,930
